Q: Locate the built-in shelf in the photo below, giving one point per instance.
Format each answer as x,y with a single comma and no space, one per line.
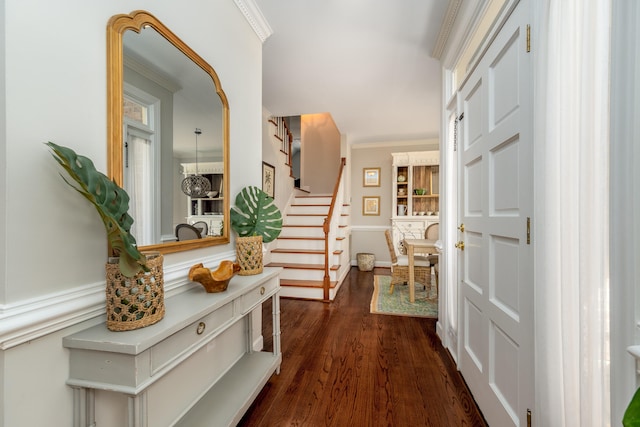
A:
415,195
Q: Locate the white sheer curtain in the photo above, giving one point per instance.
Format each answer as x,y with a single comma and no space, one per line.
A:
139,172
572,223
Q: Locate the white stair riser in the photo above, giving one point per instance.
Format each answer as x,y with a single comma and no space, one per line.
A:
300,244
312,201
301,209
304,220
302,232
296,274
298,258
306,293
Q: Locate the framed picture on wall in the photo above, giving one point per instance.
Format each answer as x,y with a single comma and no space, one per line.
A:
371,177
268,179
371,205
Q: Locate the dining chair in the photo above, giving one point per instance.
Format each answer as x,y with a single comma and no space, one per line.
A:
202,226
433,233
187,232
400,267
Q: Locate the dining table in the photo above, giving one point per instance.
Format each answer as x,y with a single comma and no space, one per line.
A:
413,246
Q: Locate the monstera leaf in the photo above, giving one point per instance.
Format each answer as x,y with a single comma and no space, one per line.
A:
111,202
632,414
256,214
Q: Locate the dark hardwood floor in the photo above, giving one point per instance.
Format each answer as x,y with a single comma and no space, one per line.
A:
343,366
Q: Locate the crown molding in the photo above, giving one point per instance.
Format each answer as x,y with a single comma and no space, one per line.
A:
424,144
255,18
445,29
148,71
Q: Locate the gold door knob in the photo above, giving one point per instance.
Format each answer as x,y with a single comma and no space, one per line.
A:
461,228
460,245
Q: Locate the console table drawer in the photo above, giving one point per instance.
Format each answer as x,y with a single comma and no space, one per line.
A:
250,299
180,342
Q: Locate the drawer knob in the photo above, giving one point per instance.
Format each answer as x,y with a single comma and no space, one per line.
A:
201,327
262,290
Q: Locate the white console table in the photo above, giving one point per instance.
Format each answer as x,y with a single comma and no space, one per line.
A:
196,367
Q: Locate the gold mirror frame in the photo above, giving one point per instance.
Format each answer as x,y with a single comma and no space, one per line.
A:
116,28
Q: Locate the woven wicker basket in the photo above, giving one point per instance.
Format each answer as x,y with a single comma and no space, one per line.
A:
135,302
249,255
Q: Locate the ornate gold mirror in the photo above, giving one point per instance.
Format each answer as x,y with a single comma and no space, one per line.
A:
168,120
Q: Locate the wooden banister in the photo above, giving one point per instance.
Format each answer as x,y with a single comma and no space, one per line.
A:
326,228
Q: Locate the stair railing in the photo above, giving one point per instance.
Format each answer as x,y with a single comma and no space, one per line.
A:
284,135
330,227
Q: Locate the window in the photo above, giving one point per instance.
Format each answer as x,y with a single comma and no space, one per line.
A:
140,164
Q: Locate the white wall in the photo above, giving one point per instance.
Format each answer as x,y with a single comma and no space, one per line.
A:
54,247
319,153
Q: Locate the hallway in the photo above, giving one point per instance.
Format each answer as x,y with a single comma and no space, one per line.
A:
343,366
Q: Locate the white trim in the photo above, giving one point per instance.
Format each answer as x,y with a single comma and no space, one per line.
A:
151,73
467,21
26,320
495,27
487,40
445,30
424,144
376,228
255,18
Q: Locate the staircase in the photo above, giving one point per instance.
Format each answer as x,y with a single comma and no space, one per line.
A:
313,246
300,249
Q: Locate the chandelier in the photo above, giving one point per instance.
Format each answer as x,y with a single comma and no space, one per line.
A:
196,185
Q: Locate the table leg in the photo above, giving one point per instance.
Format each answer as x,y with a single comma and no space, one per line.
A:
412,290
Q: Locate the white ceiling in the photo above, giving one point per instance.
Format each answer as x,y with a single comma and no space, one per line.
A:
366,62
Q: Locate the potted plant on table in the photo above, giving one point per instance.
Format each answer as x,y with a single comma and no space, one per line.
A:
135,288
257,220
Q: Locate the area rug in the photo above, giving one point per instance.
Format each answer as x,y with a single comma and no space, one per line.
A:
398,304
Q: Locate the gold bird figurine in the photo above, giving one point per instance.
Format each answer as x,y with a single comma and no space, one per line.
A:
214,281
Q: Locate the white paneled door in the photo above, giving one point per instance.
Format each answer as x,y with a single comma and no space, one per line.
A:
496,206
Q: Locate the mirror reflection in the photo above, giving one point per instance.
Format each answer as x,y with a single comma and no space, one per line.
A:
173,138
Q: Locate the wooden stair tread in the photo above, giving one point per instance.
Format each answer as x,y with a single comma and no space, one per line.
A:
301,266
306,283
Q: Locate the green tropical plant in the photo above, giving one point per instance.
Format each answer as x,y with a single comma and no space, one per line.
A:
632,414
111,202
256,214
